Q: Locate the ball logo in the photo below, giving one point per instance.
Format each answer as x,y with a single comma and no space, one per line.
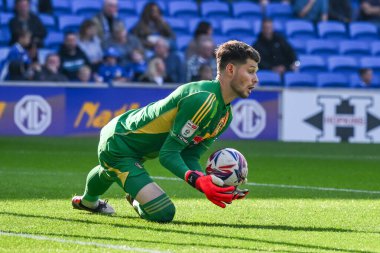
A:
32,114
249,119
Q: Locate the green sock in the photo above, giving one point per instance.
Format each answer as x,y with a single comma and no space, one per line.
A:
97,184
160,209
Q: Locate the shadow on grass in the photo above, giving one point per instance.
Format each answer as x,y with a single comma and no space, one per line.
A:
195,224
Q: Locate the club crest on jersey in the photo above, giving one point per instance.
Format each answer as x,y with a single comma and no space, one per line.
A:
188,129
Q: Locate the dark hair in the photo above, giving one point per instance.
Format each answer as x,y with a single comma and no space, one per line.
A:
235,52
202,28
22,33
362,71
145,15
88,23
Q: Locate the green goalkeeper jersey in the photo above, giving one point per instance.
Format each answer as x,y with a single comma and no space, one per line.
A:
177,129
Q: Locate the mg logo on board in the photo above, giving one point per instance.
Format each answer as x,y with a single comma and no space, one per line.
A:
249,119
32,115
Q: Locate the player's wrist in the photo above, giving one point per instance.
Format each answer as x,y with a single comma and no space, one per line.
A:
192,176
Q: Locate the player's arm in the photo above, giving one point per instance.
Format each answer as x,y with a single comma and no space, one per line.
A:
191,155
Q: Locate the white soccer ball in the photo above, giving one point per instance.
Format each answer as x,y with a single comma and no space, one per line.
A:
229,165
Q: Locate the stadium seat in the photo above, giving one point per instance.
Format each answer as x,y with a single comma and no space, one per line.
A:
247,39
301,29
269,78
183,9
280,11
370,62
321,47
127,8
236,27
346,64
86,8
3,53
246,10
5,17
42,53
178,25
131,22
327,80
354,48
332,30
219,39
193,23
293,79
61,7
375,48
215,10
299,45
69,22
53,40
363,31
4,36
140,5
48,21
312,64
356,83
183,41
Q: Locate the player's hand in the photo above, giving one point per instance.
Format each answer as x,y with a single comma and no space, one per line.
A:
211,186
240,193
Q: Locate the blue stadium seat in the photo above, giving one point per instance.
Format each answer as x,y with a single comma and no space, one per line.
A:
370,62
219,39
301,29
178,25
354,48
331,80
3,53
131,22
86,8
363,31
343,64
127,8
293,79
183,41
69,22
5,17
61,7
312,64
247,39
247,10
215,10
375,48
48,21
281,11
53,40
356,83
42,53
4,36
269,78
236,27
299,45
193,23
183,9
332,30
321,47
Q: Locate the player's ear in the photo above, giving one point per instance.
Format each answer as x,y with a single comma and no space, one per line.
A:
230,69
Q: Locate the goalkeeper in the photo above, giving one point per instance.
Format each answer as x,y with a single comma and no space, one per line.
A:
178,130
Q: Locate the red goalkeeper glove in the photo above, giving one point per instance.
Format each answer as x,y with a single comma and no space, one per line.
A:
240,193
210,185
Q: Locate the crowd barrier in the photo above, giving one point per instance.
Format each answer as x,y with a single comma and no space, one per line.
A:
312,115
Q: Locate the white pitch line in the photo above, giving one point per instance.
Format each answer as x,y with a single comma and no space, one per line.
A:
290,186
101,245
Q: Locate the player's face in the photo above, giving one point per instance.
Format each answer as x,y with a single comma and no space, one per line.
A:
245,78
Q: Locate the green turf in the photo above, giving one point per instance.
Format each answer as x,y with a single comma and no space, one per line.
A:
38,177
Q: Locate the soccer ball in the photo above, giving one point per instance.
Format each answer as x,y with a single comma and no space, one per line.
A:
229,165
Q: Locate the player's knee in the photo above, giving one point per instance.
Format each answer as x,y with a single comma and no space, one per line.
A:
164,215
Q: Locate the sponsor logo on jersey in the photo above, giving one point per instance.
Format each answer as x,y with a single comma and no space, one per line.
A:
188,129
197,139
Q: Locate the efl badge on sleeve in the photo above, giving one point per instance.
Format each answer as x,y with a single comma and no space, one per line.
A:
188,129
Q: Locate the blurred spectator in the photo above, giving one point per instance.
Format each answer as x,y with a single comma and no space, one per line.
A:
313,10
205,72
110,70
365,78
84,75
72,57
370,11
24,19
203,31
123,42
89,42
172,61
106,19
276,53
151,26
17,71
205,55
50,72
156,72
137,67
17,53
340,10
45,6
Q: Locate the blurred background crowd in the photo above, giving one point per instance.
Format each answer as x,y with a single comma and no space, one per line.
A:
313,43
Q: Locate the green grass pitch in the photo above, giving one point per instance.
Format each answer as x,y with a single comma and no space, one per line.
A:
38,177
